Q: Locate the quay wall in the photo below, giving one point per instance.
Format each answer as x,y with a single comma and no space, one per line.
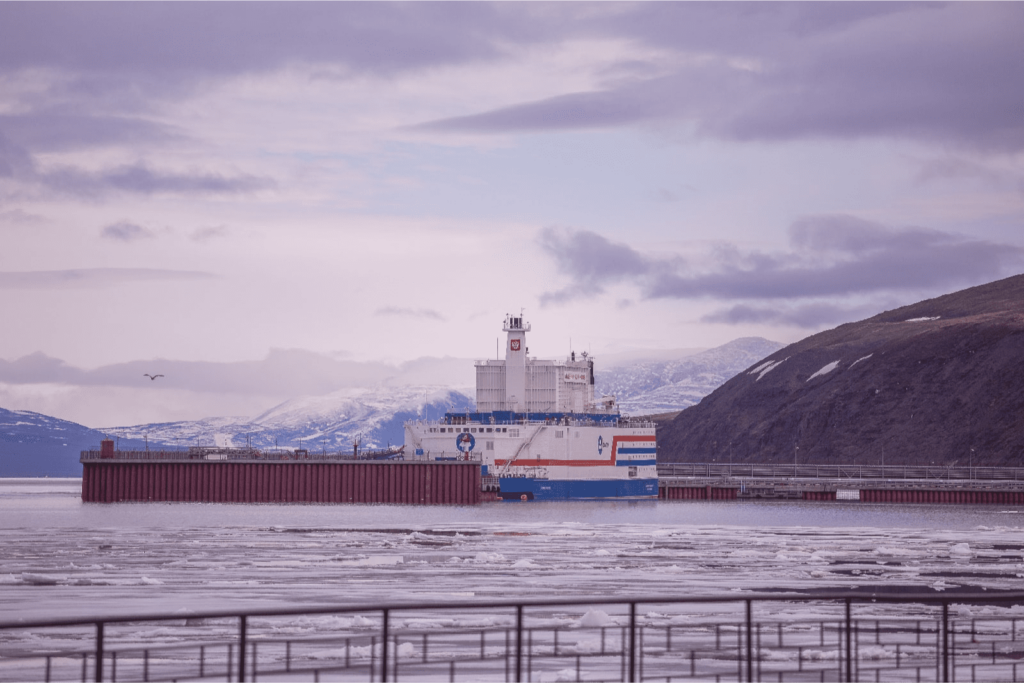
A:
696,493
954,497
390,482
962,493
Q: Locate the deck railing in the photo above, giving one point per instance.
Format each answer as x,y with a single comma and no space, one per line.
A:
253,455
834,636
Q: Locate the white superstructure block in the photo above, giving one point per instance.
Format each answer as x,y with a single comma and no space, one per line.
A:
523,384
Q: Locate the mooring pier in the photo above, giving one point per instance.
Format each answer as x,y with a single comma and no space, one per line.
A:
237,475
865,483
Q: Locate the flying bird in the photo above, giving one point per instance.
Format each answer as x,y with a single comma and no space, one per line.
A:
151,377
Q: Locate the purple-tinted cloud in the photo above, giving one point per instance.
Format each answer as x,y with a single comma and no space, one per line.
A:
591,261
829,256
843,255
140,179
807,316
55,130
16,163
283,372
401,312
125,231
945,73
94,277
207,39
209,233
20,217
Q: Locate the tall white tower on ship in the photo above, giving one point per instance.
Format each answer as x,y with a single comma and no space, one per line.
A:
515,363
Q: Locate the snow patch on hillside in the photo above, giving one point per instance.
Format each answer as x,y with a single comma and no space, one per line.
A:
825,370
763,370
860,359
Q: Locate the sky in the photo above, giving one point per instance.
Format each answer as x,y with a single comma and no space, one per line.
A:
264,200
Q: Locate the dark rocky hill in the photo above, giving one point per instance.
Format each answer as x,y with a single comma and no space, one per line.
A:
36,445
926,383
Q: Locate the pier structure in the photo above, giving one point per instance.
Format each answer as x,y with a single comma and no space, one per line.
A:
238,475
864,483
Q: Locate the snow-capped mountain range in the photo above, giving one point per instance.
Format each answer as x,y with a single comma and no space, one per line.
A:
646,388
373,416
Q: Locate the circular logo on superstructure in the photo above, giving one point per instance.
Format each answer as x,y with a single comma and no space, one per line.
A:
465,442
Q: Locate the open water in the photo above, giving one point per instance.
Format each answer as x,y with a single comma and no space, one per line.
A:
60,557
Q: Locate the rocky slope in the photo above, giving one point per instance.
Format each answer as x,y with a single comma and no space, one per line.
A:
938,381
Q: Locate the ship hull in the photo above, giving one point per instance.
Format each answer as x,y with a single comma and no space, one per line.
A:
563,457
526,488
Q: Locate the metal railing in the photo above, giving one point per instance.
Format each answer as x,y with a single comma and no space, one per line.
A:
835,636
623,421
706,470
245,455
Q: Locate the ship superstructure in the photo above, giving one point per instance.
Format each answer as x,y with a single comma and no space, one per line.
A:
540,433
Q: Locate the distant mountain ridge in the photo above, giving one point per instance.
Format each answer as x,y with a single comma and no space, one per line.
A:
940,381
645,388
332,422
373,416
37,445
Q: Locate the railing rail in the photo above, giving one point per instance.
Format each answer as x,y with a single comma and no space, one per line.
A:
840,472
830,636
243,455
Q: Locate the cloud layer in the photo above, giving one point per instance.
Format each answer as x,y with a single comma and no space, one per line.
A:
93,277
935,73
284,373
833,256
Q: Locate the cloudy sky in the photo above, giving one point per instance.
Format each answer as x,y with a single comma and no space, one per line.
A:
265,200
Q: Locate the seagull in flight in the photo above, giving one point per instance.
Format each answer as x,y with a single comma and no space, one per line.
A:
151,377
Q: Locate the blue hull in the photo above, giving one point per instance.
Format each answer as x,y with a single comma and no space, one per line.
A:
523,488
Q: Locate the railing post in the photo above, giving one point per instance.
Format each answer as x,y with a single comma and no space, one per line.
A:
242,635
519,643
384,648
849,644
632,642
945,641
99,652
750,640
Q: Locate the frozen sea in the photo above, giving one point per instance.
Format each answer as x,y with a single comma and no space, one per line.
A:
61,557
